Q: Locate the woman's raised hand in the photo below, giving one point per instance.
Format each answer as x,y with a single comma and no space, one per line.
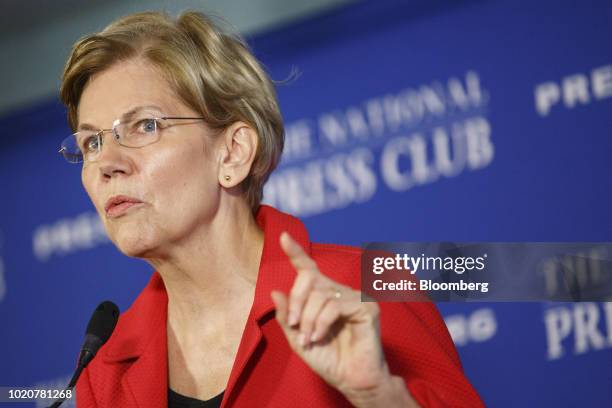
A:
336,334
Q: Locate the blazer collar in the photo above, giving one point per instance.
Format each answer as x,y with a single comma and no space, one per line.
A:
275,270
142,325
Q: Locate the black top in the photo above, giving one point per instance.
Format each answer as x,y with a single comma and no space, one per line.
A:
176,400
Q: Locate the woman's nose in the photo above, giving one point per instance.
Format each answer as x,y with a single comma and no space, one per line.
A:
113,159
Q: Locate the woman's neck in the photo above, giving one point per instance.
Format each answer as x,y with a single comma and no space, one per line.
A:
212,274
210,280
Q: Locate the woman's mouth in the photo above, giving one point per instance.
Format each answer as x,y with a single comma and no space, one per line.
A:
117,206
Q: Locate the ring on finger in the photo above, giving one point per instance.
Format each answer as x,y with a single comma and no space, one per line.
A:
335,294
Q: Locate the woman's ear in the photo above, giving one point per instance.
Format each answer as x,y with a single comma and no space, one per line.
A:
240,142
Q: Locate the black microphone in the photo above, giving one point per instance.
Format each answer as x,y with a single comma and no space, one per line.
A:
99,330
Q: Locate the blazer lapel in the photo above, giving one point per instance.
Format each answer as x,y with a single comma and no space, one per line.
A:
275,273
141,344
146,379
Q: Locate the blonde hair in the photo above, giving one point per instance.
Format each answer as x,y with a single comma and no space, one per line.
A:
211,71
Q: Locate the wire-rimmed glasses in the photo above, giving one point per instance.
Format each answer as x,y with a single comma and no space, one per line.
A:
86,145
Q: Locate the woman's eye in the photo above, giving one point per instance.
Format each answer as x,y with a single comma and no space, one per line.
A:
146,126
90,144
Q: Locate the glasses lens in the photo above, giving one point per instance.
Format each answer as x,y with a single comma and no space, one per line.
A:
137,133
82,146
70,150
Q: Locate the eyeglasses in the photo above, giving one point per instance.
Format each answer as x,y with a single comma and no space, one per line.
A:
85,146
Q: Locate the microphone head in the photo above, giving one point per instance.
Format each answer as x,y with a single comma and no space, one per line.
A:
99,330
103,321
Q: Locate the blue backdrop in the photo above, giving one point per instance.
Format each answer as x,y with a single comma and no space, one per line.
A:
409,121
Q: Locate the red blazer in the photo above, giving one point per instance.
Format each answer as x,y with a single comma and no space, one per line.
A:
131,369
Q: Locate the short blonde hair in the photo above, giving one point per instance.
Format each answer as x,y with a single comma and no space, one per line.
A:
211,71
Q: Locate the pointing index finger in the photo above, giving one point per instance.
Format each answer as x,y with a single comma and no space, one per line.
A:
297,256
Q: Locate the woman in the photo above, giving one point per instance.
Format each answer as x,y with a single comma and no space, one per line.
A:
242,308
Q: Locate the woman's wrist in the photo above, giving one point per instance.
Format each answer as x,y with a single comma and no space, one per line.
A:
391,393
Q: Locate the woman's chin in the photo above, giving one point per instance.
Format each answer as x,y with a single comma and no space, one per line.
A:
136,247
136,252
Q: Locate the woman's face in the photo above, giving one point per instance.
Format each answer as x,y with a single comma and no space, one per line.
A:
153,197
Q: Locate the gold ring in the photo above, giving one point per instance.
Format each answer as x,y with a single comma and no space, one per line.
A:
336,294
